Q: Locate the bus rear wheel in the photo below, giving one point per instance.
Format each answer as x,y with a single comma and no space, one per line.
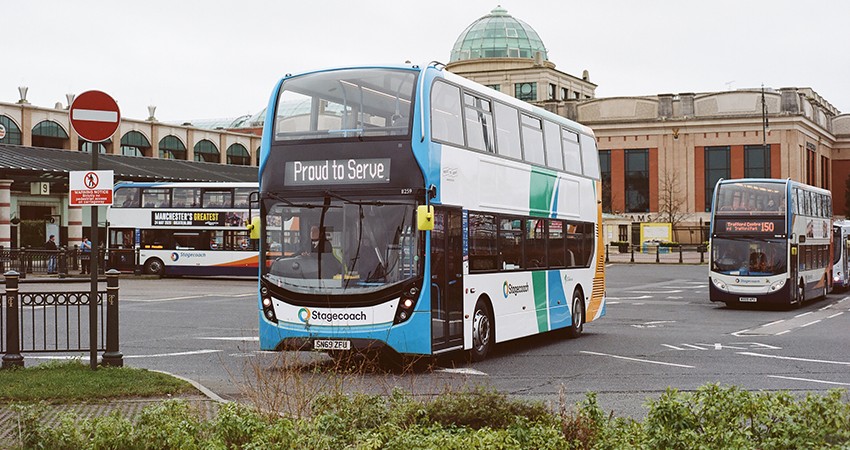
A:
577,326
154,266
482,331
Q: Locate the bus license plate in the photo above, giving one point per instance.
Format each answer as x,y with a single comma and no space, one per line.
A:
327,344
747,299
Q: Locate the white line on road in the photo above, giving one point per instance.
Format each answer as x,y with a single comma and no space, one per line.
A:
673,347
638,360
462,371
773,323
783,332
791,358
630,298
159,355
809,379
810,323
696,347
804,314
836,315
231,338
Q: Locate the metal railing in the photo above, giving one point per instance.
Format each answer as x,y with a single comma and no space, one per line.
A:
57,322
674,254
63,262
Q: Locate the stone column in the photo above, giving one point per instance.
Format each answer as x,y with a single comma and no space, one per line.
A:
5,213
75,226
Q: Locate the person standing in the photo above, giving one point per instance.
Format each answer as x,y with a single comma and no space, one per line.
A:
51,258
85,255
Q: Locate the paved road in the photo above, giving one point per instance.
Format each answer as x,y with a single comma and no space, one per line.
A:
660,331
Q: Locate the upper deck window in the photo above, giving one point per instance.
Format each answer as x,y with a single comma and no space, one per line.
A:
751,198
345,103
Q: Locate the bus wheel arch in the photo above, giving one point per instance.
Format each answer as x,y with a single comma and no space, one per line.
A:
154,266
577,314
483,329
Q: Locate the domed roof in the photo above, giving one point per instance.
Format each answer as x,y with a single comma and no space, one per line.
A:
498,35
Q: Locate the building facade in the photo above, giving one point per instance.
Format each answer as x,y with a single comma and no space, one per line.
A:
661,155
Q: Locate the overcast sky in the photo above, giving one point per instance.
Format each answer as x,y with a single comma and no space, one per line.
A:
217,59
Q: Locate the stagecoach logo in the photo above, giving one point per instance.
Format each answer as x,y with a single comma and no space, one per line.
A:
508,289
174,256
304,315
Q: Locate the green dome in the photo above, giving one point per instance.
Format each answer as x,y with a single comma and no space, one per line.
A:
497,35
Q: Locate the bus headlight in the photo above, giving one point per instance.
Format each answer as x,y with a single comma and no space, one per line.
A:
405,305
837,277
777,285
720,285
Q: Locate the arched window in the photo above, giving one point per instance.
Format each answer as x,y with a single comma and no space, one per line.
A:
170,147
135,143
11,132
86,146
49,134
207,151
238,155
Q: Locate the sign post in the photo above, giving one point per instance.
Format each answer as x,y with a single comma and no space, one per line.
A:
95,117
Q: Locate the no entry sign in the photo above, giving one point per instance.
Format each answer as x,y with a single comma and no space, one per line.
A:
95,116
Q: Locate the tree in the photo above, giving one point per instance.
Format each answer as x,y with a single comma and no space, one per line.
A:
672,203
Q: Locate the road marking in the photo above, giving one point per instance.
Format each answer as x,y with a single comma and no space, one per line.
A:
783,332
638,360
804,314
158,355
630,298
791,358
738,333
809,379
773,323
675,298
673,347
612,303
810,323
835,315
463,371
675,291
232,338
696,347
825,307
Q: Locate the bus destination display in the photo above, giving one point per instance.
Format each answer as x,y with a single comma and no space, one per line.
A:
751,226
337,171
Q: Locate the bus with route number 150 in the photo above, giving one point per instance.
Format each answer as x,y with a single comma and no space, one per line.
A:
409,209
770,242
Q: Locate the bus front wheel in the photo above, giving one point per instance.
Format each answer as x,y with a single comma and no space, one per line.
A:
154,266
482,331
577,326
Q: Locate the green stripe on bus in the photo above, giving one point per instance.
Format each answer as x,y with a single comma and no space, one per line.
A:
541,190
538,279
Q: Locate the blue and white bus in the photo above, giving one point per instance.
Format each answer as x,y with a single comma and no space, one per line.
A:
183,228
410,209
770,242
841,254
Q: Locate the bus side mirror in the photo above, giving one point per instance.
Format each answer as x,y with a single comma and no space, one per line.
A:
425,218
253,228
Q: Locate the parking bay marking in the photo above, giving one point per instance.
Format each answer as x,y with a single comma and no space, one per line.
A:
791,358
638,359
719,346
809,379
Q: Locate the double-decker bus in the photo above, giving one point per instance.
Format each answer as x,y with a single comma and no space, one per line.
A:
409,209
841,254
183,228
770,242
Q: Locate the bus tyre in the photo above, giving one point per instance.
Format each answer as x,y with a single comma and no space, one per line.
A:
154,266
577,326
482,331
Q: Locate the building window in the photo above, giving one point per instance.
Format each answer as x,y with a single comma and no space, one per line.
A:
86,146
135,143
495,87
238,155
811,160
552,90
717,166
526,91
824,172
10,131
605,167
756,161
170,147
637,180
207,151
577,95
565,94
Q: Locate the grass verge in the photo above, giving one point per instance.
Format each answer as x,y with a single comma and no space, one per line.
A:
70,381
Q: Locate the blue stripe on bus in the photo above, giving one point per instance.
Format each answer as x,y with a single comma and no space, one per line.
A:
559,309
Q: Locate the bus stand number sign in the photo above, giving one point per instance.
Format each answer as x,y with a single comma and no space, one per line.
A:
751,226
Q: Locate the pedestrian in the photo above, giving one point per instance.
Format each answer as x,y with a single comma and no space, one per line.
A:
85,255
51,258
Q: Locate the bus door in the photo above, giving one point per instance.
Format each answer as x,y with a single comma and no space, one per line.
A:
793,270
121,253
447,279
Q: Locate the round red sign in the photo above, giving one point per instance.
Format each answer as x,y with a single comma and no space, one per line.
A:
95,116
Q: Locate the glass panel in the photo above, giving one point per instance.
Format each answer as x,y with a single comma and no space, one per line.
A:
186,197
346,103
556,244
241,196
532,140
749,256
756,197
507,131
552,134
637,180
218,199
589,157
126,197
510,243
483,255
535,243
572,155
156,198
446,124
479,124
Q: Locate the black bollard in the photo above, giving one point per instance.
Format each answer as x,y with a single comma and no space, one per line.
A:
13,357
112,357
